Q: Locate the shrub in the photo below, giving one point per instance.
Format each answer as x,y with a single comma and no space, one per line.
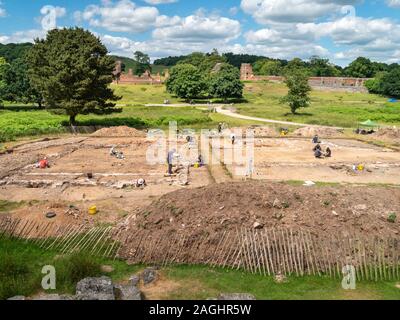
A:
392,218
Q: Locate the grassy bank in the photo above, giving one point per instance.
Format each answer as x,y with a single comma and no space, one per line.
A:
21,264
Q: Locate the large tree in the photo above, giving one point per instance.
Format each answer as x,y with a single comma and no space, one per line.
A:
72,71
186,81
361,68
226,83
204,62
17,85
142,63
323,68
268,67
299,89
3,68
390,83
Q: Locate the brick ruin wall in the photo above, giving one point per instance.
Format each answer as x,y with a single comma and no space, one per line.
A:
130,78
318,83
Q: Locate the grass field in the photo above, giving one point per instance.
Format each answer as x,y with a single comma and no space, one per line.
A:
21,264
327,108
261,100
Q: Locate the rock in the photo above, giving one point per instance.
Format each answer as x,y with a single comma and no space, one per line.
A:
17,298
361,207
51,215
107,269
95,289
149,275
280,278
53,297
134,280
236,297
335,213
276,204
258,226
127,292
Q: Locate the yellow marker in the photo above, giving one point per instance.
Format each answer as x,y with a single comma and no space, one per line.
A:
93,210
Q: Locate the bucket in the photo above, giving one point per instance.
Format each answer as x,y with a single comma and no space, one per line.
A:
93,210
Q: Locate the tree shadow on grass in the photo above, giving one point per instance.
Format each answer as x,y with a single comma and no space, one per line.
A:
111,122
21,108
301,114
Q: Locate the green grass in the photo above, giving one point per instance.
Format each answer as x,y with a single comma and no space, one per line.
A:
7,206
210,282
327,108
21,264
261,100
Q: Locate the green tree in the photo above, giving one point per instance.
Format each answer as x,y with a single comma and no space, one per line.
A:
375,85
3,69
17,85
323,68
360,68
390,83
142,63
204,62
186,81
299,90
72,71
268,67
226,83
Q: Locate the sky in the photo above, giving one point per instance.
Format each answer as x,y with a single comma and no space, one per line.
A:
339,30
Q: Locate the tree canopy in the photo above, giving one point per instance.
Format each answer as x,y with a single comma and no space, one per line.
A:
226,83
142,63
17,85
186,81
299,89
71,70
3,68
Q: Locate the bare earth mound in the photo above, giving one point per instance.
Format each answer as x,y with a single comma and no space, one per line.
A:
122,131
322,132
389,133
217,208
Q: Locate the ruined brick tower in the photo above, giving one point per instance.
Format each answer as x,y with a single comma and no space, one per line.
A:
246,71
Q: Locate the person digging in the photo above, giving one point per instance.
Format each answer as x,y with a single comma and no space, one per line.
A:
170,160
328,153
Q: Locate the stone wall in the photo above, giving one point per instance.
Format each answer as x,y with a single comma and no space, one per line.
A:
130,78
317,83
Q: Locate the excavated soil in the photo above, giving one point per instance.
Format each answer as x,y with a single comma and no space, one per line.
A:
388,134
122,131
222,207
322,132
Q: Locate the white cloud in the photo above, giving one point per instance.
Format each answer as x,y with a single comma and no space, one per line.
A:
393,3
156,2
291,11
121,16
3,11
200,28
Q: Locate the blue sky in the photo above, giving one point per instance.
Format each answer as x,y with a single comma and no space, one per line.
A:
339,30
